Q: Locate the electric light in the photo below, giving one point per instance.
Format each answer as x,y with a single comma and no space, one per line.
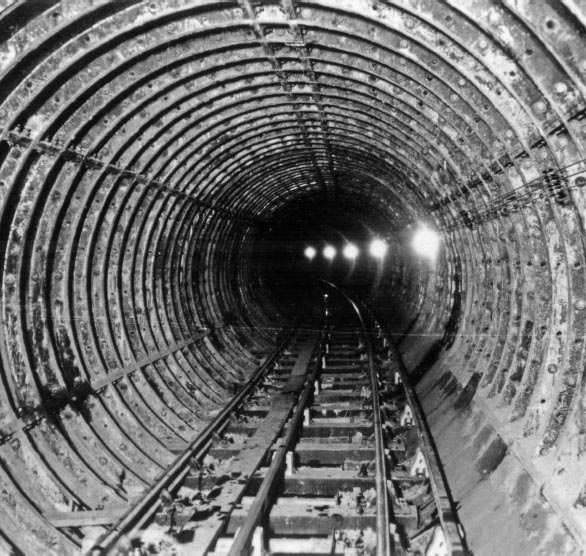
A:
329,252
426,242
350,251
378,248
310,253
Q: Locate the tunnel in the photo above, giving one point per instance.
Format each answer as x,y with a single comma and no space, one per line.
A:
163,164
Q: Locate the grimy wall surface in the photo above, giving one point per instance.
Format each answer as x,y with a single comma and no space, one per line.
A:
145,146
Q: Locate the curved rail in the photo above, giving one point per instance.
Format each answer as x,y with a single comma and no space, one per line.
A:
455,541
452,530
383,546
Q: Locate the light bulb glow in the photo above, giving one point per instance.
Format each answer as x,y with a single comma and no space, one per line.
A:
378,248
310,253
350,251
426,242
329,252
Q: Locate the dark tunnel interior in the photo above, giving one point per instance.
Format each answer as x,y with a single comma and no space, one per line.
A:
163,166
295,279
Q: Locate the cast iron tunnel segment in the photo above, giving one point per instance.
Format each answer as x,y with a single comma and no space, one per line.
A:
325,451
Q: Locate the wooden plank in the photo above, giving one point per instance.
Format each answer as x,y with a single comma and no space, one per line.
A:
332,405
343,377
350,386
313,453
336,396
320,481
282,372
310,453
335,410
337,429
307,516
299,371
340,369
320,420
85,518
341,361
256,411
317,546
308,547
304,358
242,429
299,520
398,475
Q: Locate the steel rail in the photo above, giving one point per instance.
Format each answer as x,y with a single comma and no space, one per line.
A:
456,543
383,539
149,502
453,533
263,498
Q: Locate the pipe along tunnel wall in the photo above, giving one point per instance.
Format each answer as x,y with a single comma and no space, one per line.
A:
151,154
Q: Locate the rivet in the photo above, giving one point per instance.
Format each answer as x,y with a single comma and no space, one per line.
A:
540,106
494,17
550,24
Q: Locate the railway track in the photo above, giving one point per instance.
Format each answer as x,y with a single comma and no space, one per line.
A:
325,451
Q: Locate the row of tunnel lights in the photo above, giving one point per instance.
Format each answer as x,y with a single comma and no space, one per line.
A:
378,248
425,243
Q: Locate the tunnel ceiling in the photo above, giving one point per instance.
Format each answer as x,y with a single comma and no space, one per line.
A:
146,146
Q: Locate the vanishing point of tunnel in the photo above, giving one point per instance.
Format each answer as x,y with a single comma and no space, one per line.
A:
164,163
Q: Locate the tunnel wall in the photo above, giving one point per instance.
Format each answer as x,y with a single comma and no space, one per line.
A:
143,145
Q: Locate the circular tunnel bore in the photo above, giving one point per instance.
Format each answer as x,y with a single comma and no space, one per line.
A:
154,158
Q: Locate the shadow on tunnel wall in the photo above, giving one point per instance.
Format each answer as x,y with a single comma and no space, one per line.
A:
432,353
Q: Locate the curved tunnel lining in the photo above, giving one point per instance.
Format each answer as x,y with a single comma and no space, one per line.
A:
464,110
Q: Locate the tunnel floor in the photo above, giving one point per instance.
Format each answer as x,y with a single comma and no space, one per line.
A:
325,450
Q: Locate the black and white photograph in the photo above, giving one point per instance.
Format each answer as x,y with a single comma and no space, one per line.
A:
292,277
